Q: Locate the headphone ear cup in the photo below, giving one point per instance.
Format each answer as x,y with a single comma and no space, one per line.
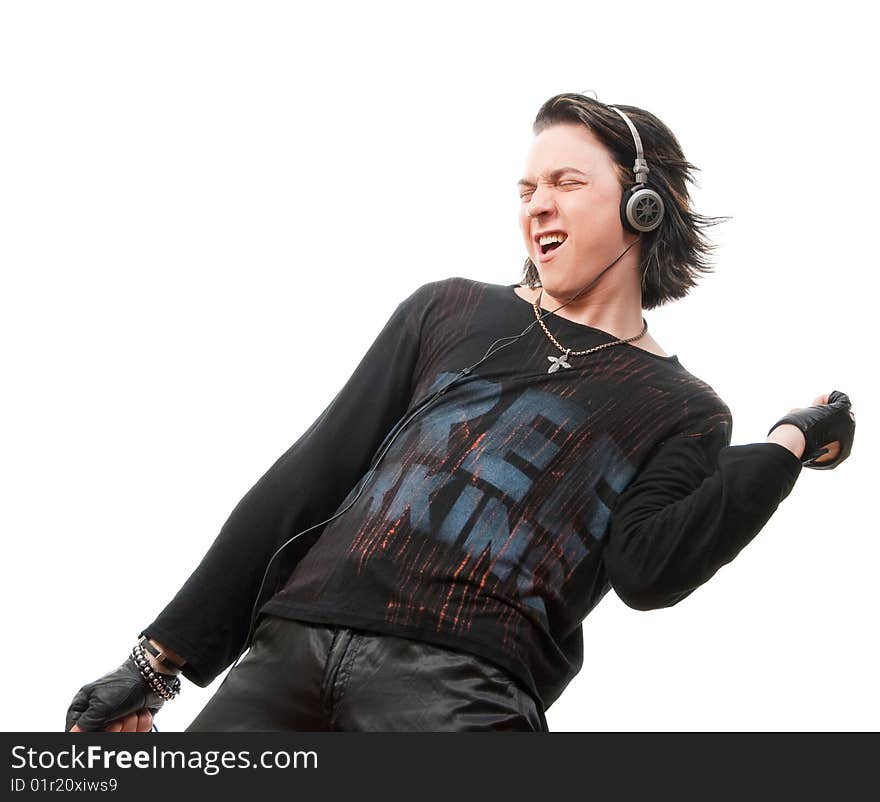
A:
641,209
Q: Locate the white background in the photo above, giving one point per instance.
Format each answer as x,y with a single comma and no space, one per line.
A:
209,210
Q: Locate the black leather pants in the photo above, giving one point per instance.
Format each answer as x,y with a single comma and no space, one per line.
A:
304,677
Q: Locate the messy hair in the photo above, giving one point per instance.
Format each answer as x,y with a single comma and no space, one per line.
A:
675,253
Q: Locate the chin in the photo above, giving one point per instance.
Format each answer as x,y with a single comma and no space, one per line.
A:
555,284
567,288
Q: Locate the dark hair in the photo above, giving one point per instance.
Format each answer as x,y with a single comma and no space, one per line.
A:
673,255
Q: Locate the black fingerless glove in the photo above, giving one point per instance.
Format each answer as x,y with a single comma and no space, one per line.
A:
823,424
112,696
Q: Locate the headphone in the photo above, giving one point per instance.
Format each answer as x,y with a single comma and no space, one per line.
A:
641,209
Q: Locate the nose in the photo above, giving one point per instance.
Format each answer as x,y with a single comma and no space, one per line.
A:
539,203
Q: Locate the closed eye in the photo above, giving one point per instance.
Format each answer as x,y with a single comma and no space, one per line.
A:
563,184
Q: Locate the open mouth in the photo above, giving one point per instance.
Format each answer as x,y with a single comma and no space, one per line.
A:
548,251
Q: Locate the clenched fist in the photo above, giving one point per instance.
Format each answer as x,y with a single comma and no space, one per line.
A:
821,435
119,701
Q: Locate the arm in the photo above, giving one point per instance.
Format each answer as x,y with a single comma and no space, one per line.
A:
207,622
695,505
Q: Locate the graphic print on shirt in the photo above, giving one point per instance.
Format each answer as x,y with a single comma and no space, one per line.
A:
516,519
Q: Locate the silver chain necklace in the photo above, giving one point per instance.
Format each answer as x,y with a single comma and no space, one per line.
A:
561,361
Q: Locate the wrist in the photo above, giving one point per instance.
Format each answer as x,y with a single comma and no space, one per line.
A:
160,684
160,668
161,658
789,436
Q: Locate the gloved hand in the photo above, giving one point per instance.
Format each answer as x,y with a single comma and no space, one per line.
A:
112,696
822,424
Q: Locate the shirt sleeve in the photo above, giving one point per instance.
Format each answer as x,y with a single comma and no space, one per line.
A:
208,619
693,507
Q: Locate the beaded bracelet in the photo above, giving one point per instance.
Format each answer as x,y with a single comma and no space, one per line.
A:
157,682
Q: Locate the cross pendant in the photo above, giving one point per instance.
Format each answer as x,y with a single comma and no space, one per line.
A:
559,361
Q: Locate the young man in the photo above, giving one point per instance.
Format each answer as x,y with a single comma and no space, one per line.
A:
434,575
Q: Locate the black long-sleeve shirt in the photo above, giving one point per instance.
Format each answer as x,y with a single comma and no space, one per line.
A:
504,512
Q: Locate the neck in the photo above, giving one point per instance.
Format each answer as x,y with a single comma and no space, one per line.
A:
621,320
617,310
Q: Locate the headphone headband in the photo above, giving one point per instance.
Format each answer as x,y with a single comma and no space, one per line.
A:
641,166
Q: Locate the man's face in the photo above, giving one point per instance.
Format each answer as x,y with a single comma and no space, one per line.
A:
583,202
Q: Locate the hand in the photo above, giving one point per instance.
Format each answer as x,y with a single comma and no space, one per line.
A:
115,702
804,429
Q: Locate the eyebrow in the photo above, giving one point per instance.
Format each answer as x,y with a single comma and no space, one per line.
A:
524,182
